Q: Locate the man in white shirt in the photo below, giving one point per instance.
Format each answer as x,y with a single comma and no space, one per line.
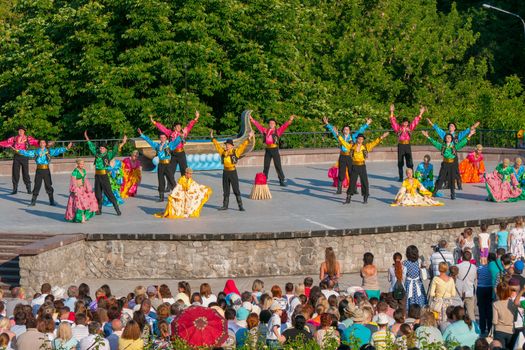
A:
466,281
45,289
95,339
327,289
441,254
80,330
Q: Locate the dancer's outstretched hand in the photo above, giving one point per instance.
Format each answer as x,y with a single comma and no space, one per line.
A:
197,116
392,108
69,145
425,133
140,131
86,135
368,121
251,134
430,121
151,119
472,132
211,133
292,117
325,120
422,110
385,135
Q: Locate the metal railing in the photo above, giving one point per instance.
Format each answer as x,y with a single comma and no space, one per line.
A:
298,140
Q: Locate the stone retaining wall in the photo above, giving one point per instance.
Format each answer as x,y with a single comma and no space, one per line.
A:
154,256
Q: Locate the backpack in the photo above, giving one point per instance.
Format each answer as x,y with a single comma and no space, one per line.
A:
399,291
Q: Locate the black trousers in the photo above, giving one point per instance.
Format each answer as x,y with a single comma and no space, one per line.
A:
457,176
345,164
404,156
164,172
447,173
180,159
43,175
269,154
102,185
358,171
20,162
484,301
230,178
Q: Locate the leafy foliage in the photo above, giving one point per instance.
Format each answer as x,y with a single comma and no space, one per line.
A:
105,65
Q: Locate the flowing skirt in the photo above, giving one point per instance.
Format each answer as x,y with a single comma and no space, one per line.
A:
333,173
130,183
186,203
470,173
407,199
502,191
81,206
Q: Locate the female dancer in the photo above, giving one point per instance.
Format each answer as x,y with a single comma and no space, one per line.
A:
502,185
132,175
114,170
413,194
472,168
82,204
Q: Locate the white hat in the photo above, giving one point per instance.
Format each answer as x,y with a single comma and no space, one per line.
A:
58,292
275,306
382,319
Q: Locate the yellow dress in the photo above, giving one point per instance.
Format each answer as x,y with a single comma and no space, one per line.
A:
413,194
186,200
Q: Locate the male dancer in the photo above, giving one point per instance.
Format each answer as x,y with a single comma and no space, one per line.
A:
178,154
20,142
42,157
271,139
448,149
359,153
404,131
456,138
164,170
102,158
345,161
229,156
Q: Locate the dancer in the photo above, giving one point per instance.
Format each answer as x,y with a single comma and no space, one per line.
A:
132,175
413,194
345,161
82,204
164,170
448,149
359,152
425,173
178,154
116,180
42,157
20,142
187,198
502,185
472,168
229,156
456,137
404,133
519,171
102,158
271,140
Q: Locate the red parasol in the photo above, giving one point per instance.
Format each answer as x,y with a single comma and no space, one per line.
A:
201,326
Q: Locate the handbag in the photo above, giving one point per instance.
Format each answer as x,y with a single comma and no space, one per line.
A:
424,273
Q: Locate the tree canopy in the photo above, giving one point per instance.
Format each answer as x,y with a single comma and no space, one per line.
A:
70,65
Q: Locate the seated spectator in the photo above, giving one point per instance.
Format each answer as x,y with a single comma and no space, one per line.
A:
95,339
64,339
462,329
131,337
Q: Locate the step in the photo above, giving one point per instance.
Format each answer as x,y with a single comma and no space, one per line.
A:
5,271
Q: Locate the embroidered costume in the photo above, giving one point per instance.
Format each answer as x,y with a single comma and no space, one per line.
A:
131,177
425,174
472,168
20,162
404,150
82,204
115,180
186,199
502,185
413,194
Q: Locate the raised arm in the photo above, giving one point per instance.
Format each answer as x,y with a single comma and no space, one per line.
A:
150,142
26,153
9,142
32,141
242,148
417,119
463,134
463,142
53,152
343,142
435,143
370,146
163,129
330,128
259,127
217,145
91,145
362,129
191,124
441,133
393,120
285,126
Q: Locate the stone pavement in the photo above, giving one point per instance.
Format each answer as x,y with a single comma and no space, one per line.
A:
308,203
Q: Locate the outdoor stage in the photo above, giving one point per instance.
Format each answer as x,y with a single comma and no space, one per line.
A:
308,203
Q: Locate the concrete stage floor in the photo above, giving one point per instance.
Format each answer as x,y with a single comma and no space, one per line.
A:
308,203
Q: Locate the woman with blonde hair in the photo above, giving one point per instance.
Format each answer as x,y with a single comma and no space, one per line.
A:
64,339
472,168
82,203
5,327
442,290
130,339
131,175
517,239
330,270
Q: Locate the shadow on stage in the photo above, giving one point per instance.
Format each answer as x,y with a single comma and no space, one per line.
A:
46,214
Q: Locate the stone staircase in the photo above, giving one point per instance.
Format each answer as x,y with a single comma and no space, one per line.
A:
10,243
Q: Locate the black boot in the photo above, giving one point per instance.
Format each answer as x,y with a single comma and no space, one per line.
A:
52,200
15,190
225,203
282,183
28,188
348,199
365,199
161,197
33,202
339,188
239,202
117,210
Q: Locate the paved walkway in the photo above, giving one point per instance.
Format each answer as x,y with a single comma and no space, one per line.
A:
308,203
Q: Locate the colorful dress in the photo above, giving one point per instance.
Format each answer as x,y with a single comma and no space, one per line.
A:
414,284
115,180
186,200
414,194
82,204
502,185
472,168
333,173
425,175
520,175
131,177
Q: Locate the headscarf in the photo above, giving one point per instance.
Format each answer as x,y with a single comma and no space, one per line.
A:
230,287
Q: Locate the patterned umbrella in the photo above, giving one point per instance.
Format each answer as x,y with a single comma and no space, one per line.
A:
201,326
